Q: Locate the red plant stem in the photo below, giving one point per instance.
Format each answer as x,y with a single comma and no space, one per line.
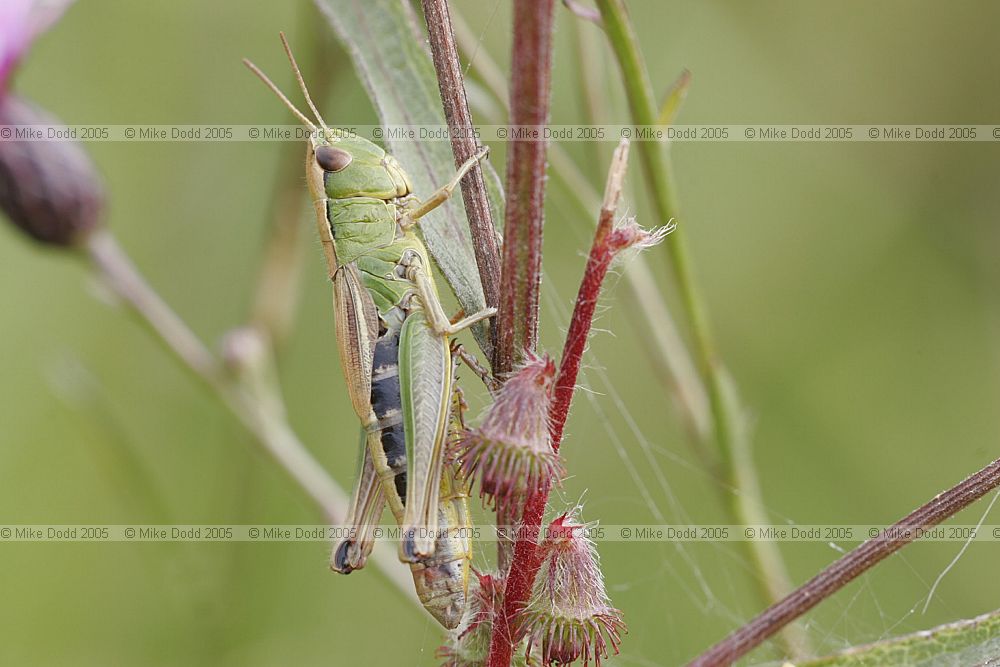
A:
849,566
525,562
464,146
606,244
531,82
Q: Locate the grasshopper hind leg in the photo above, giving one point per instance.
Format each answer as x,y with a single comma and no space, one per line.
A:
382,472
367,502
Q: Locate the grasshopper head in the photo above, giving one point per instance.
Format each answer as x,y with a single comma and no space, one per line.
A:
342,165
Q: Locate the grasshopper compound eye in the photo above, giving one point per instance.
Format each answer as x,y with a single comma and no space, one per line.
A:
332,159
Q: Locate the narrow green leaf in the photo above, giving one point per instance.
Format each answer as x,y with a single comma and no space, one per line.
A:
386,45
972,642
674,98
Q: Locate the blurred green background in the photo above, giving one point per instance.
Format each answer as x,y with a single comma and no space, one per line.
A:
851,285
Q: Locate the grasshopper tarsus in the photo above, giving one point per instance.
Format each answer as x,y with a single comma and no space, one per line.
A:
341,561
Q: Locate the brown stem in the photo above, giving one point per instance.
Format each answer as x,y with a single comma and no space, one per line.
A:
531,79
524,563
849,566
464,145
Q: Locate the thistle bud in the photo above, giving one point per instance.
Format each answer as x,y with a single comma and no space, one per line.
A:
569,615
511,451
49,189
469,645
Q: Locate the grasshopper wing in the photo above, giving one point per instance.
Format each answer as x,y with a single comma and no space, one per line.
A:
425,382
357,330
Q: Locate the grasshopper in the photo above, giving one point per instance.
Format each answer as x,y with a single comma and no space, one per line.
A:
387,309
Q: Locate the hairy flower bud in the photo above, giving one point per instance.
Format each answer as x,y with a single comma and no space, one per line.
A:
569,615
49,189
469,645
511,451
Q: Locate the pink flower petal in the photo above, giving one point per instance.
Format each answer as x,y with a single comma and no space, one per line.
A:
21,21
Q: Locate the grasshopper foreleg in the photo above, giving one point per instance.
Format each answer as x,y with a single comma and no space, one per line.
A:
437,319
442,194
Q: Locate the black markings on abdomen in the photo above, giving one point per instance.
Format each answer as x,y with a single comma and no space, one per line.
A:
388,406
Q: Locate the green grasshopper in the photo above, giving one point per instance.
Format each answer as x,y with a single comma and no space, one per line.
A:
387,305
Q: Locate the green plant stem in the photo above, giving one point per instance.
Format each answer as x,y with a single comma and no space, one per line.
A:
592,85
746,505
259,410
276,297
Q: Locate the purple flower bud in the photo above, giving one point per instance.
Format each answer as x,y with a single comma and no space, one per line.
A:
570,616
49,189
511,450
469,645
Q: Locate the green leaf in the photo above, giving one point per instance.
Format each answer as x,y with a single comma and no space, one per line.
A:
387,47
972,642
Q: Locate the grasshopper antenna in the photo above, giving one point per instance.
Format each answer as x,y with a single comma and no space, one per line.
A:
281,96
302,84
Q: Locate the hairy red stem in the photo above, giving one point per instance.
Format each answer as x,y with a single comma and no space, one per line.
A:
849,566
517,320
525,561
531,82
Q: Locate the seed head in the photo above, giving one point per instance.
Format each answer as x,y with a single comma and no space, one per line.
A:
511,451
570,616
469,645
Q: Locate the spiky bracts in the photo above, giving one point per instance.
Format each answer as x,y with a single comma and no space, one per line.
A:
469,645
569,616
511,451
